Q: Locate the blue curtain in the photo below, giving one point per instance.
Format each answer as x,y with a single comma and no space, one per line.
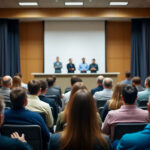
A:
140,49
9,47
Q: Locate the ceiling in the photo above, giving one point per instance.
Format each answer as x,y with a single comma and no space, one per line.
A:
87,3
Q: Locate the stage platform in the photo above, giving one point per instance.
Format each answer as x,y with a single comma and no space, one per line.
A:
89,79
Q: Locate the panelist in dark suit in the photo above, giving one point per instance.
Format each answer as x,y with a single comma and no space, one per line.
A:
57,65
93,66
70,66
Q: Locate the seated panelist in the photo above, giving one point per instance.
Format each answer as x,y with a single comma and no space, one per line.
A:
93,66
70,66
83,67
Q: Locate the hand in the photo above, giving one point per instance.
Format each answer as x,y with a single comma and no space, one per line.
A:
93,69
72,69
15,135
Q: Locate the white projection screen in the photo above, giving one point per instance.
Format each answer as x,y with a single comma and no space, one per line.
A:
74,39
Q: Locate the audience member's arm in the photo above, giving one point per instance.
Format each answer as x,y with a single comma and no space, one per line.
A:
99,120
59,123
49,117
104,112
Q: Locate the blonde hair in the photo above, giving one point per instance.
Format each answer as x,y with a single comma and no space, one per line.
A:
16,82
116,102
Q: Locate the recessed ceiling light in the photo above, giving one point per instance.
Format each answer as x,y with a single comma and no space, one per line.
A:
73,3
28,3
118,3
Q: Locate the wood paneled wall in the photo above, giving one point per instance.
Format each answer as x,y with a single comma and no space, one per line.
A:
118,47
31,48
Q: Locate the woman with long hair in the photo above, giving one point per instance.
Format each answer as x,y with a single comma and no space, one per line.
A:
61,120
82,131
115,102
16,82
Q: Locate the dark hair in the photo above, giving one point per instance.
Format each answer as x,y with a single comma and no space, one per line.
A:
17,97
93,59
128,74
107,82
19,74
129,94
136,80
75,79
43,85
148,81
54,78
0,81
82,124
33,87
50,81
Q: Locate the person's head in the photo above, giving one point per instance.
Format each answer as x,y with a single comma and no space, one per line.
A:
116,101
83,60
19,74
75,79
128,75
129,94
57,59
107,83
50,81
44,86
18,97
16,82
7,81
82,130
70,60
2,106
93,61
34,87
100,80
147,82
136,81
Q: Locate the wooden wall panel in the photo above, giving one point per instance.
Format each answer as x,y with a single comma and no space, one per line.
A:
31,48
118,47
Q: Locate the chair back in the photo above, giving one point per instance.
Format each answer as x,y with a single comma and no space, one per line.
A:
100,103
142,103
43,115
100,109
8,103
32,133
122,128
55,97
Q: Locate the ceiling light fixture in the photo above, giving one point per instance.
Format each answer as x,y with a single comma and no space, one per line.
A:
73,3
28,3
118,3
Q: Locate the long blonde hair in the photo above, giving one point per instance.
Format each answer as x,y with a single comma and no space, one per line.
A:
116,102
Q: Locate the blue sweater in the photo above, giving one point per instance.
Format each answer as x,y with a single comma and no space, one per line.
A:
26,117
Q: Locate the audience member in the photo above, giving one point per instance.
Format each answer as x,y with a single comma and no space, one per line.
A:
93,66
144,95
55,86
22,83
106,94
100,85
36,105
62,117
7,143
19,115
16,82
0,82
136,81
83,67
128,79
53,91
50,101
74,79
82,131
128,112
70,66
6,85
139,140
115,102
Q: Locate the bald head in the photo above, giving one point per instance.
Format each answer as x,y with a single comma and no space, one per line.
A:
7,81
107,83
100,80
